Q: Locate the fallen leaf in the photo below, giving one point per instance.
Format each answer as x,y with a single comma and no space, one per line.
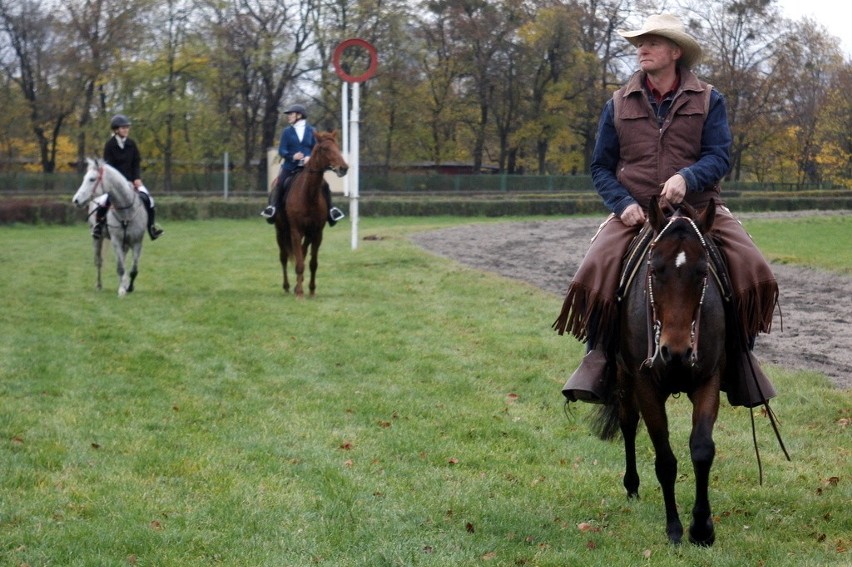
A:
453,461
591,545
646,554
489,556
469,527
348,463
346,446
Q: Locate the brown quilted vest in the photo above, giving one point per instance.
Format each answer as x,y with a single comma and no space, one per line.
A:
651,154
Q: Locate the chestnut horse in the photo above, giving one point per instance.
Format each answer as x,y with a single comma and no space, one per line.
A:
671,340
306,211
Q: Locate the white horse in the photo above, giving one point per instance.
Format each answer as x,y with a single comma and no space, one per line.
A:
126,220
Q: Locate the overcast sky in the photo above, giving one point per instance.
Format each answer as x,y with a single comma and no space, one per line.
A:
835,15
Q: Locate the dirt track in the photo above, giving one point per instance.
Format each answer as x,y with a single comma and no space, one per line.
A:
816,306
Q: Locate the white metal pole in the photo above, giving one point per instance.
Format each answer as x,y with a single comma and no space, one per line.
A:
353,163
225,181
344,113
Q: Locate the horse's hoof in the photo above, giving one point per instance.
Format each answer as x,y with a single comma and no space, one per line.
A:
705,537
675,533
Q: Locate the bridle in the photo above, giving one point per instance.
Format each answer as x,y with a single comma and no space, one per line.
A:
654,324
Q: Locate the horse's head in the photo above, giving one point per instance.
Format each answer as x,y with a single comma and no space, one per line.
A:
92,184
326,154
678,268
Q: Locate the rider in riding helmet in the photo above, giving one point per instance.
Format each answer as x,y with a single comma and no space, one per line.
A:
122,153
297,141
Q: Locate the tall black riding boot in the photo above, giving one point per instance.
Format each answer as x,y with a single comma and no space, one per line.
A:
154,231
273,202
100,222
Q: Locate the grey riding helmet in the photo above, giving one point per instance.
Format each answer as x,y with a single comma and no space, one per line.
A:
297,108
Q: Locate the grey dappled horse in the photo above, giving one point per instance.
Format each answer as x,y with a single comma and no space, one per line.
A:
127,219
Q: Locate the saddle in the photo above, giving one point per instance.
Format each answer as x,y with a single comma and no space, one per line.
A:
285,188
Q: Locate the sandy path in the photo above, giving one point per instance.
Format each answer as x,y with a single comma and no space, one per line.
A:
816,306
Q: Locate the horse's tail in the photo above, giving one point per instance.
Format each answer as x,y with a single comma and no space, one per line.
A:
605,421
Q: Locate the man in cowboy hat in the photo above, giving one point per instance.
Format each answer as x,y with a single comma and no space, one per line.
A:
664,133
297,141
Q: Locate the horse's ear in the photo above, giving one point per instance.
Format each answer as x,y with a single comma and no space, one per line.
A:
689,210
656,216
707,217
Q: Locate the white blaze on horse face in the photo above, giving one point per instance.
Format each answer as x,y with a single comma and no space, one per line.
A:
680,260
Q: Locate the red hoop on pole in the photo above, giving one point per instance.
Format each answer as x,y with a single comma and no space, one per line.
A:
355,42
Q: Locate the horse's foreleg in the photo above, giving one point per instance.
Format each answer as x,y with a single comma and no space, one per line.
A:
665,463
134,269
98,244
629,420
315,244
123,278
283,247
702,449
298,263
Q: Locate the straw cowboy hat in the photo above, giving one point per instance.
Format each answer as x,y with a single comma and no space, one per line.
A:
670,27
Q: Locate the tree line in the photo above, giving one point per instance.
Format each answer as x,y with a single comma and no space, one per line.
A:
515,85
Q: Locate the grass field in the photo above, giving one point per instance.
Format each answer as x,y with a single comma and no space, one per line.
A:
410,414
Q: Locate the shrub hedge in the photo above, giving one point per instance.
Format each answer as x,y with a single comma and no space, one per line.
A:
52,211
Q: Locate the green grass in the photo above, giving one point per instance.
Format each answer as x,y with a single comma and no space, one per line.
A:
410,414
817,242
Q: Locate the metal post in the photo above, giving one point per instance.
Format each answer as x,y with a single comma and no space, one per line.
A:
353,163
344,113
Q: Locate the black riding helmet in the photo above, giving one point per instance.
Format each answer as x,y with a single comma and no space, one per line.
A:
118,121
297,108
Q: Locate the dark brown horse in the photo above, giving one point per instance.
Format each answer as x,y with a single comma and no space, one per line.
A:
672,340
306,211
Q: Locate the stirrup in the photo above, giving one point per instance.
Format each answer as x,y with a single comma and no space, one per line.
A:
268,212
335,214
155,232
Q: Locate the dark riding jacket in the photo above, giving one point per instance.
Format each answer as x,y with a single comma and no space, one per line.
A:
290,144
127,160
645,144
